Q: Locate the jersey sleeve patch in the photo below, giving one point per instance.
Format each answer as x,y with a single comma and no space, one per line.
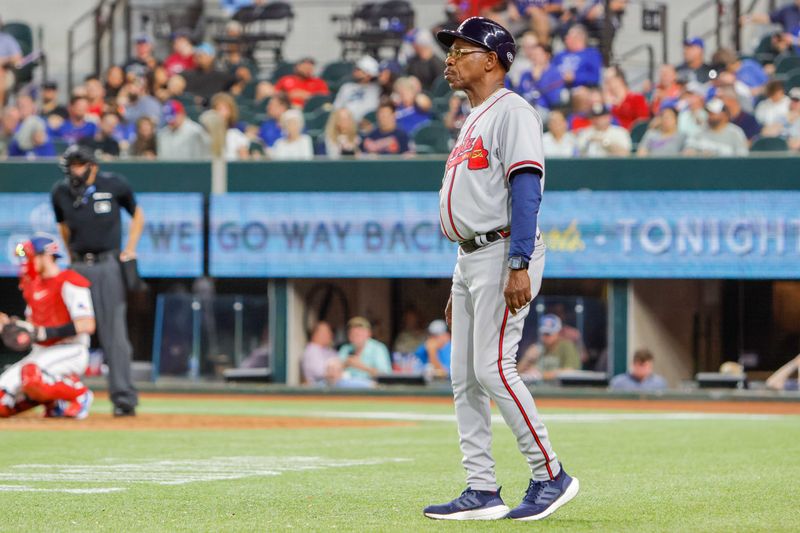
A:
78,300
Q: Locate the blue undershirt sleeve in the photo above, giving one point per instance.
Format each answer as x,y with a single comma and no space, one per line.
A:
526,196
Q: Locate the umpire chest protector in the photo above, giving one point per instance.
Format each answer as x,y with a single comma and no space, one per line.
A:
93,216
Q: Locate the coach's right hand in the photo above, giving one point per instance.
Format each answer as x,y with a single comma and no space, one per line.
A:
448,311
4,320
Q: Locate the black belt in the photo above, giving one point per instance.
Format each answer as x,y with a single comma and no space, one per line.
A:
482,240
91,257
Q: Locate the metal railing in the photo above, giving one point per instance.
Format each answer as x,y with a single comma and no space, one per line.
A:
635,51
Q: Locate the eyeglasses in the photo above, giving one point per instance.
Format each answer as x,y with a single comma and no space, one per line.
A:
457,53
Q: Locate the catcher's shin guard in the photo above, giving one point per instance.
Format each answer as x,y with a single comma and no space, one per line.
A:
43,389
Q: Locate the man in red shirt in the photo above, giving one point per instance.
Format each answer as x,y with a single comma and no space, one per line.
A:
302,85
182,57
59,322
626,106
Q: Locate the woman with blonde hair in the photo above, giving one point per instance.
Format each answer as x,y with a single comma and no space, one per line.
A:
294,144
237,145
341,134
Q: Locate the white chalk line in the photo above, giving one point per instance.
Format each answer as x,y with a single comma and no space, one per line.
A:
167,472
555,417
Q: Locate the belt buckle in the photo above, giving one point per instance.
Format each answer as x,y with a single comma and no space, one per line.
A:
89,258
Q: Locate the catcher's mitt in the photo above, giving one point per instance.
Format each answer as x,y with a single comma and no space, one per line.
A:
17,335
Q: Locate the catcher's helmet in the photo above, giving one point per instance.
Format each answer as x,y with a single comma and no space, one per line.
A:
76,154
485,33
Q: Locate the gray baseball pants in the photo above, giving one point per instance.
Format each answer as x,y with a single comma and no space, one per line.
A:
485,336
111,313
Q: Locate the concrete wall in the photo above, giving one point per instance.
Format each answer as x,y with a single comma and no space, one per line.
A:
662,318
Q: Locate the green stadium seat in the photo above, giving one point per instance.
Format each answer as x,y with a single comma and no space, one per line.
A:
281,70
769,144
60,145
24,36
793,80
440,88
433,138
637,132
333,72
786,63
316,121
318,101
371,117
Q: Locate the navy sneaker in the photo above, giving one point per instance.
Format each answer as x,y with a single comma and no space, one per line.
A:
543,498
471,505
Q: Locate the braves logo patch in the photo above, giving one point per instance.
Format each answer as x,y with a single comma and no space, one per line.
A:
471,151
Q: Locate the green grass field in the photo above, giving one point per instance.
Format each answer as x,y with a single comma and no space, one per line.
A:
651,472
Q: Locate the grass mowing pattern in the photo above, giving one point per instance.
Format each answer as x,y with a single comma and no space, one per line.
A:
706,475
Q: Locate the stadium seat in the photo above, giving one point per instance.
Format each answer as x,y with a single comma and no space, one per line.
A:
24,36
371,117
333,72
316,121
792,81
769,144
637,132
282,69
786,63
440,88
60,145
433,138
318,101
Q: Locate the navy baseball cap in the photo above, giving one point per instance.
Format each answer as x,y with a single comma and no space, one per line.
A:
694,41
44,244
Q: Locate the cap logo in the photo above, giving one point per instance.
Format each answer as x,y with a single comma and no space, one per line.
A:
510,57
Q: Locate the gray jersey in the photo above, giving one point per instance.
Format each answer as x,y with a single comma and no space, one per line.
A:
501,135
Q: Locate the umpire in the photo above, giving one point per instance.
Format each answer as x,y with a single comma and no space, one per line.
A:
87,206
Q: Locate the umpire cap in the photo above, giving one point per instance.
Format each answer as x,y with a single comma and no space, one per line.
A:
485,33
76,154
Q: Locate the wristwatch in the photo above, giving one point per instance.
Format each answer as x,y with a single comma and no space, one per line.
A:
517,263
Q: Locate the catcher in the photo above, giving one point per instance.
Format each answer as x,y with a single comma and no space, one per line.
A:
59,322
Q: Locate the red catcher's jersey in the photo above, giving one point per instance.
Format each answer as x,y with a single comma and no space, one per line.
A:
55,301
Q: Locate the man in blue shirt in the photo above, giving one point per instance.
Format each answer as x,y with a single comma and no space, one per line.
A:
387,138
578,65
542,85
270,130
436,349
76,127
641,376
787,16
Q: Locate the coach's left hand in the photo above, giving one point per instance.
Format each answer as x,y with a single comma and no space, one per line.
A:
518,290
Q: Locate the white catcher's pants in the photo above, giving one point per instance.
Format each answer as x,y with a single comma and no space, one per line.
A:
483,365
57,361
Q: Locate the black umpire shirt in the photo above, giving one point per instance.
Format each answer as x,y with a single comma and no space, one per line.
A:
94,220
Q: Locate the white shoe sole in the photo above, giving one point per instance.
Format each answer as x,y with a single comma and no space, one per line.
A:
570,493
489,513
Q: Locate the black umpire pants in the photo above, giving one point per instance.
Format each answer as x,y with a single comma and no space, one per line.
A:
110,310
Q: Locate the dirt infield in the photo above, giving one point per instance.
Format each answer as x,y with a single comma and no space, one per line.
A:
34,421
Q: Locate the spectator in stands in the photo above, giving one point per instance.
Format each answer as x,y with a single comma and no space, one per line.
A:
579,65
388,72
667,90
95,95
363,356
361,96
317,353
424,65
603,138
336,376
768,50
214,126
434,353
341,135
9,123
103,143
592,15
302,84
176,87
205,80
747,71
726,79
182,57
582,100
541,16
143,59
557,141
115,80
788,16
553,354
411,335
76,126
30,138
694,67
460,10
10,58
51,106
738,116
523,60
641,376
772,111
719,137
457,110
627,107
294,144
270,129
413,106
541,85
791,129
144,144
663,137
692,114
232,58
237,145
387,138
181,138
136,103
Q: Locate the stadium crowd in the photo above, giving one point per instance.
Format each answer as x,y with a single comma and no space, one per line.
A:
203,101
